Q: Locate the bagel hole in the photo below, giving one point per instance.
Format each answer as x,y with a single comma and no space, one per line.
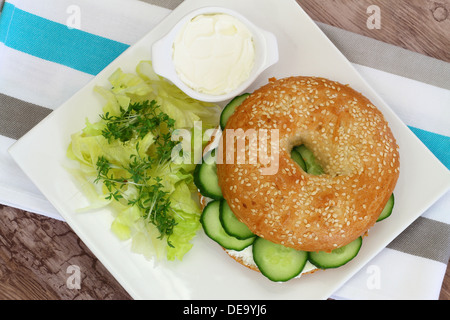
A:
305,158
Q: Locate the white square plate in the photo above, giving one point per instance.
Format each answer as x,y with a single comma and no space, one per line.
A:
206,271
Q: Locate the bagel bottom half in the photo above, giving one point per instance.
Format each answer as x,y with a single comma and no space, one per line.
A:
238,258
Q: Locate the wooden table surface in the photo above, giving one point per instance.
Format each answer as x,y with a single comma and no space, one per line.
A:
37,253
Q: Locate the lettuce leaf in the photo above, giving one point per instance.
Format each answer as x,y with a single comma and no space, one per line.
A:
89,146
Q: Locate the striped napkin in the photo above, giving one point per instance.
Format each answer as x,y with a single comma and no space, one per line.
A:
49,49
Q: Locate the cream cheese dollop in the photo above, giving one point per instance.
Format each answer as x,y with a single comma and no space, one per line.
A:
214,53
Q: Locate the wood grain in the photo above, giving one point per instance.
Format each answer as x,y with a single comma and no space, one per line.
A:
445,290
36,252
422,26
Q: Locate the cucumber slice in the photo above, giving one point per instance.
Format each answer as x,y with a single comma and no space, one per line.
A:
337,257
296,156
210,221
230,108
312,166
232,225
206,180
387,211
276,262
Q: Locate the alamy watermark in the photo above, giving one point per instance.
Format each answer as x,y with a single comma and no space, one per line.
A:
73,20
241,147
73,281
373,281
374,20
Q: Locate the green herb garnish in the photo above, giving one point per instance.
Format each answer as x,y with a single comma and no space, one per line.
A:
148,192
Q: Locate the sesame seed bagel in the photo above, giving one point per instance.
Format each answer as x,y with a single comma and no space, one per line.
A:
350,139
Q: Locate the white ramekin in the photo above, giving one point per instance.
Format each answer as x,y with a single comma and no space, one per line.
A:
266,54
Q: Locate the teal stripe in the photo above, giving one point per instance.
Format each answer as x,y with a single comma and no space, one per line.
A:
438,144
55,42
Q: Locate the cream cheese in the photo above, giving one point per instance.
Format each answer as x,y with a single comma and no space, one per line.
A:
214,53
